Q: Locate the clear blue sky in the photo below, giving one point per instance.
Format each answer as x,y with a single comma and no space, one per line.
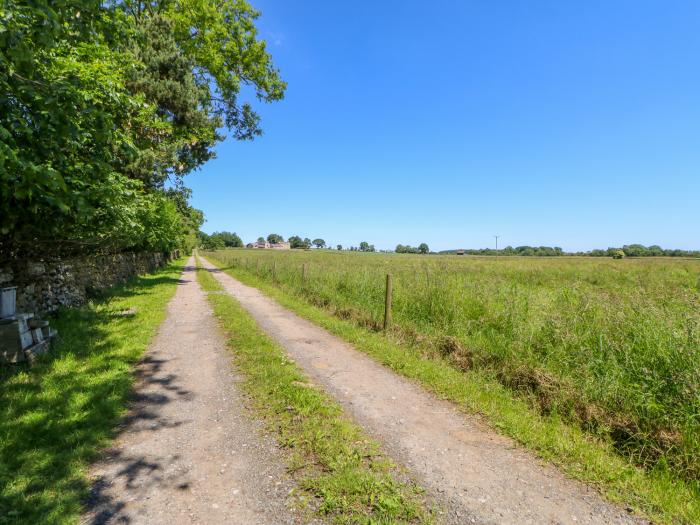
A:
572,124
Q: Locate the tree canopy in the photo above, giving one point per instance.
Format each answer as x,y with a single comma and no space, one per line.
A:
106,107
297,242
230,240
422,248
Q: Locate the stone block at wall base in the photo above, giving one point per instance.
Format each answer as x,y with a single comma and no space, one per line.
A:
11,344
34,351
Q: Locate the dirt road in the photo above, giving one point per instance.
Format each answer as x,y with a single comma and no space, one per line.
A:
188,452
476,474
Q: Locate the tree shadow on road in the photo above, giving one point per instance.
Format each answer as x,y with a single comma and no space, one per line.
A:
58,414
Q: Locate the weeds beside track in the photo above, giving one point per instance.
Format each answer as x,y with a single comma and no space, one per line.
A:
610,348
330,457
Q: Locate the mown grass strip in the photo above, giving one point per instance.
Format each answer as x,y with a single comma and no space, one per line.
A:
653,493
57,415
330,457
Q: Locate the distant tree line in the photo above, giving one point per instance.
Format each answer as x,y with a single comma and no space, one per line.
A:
224,239
298,243
639,250
364,247
628,250
422,248
219,240
534,251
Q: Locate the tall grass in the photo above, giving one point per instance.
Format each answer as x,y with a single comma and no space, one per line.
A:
611,346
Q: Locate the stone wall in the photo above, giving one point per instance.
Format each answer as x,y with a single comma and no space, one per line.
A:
44,286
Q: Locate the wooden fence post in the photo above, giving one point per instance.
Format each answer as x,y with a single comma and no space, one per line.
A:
387,302
274,270
257,266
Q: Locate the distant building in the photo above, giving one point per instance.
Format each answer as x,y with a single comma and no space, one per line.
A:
459,252
266,245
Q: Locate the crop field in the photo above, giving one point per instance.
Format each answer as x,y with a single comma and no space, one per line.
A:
611,346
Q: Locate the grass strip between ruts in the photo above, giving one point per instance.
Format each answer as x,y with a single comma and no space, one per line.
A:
56,415
654,494
330,457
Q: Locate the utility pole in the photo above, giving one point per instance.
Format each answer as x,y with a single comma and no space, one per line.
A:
496,236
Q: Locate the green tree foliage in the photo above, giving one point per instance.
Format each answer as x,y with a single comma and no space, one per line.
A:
166,77
190,218
220,38
339,247
297,242
229,239
319,243
105,107
209,242
273,238
219,240
422,248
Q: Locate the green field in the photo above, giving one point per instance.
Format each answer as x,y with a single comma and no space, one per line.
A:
610,346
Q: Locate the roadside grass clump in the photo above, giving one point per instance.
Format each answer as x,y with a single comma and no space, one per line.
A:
56,415
608,348
329,456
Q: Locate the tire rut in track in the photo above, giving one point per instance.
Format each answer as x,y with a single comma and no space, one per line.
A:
477,475
188,451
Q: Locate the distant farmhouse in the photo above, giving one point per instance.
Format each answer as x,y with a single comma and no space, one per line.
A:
268,245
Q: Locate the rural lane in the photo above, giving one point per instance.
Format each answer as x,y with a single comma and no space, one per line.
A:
475,474
188,451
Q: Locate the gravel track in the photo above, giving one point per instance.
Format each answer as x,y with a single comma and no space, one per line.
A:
476,475
188,451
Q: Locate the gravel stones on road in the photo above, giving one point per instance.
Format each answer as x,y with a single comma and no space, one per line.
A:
188,451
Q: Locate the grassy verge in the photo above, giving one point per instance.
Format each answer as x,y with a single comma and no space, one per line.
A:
611,346
56,415
330,457
655,493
